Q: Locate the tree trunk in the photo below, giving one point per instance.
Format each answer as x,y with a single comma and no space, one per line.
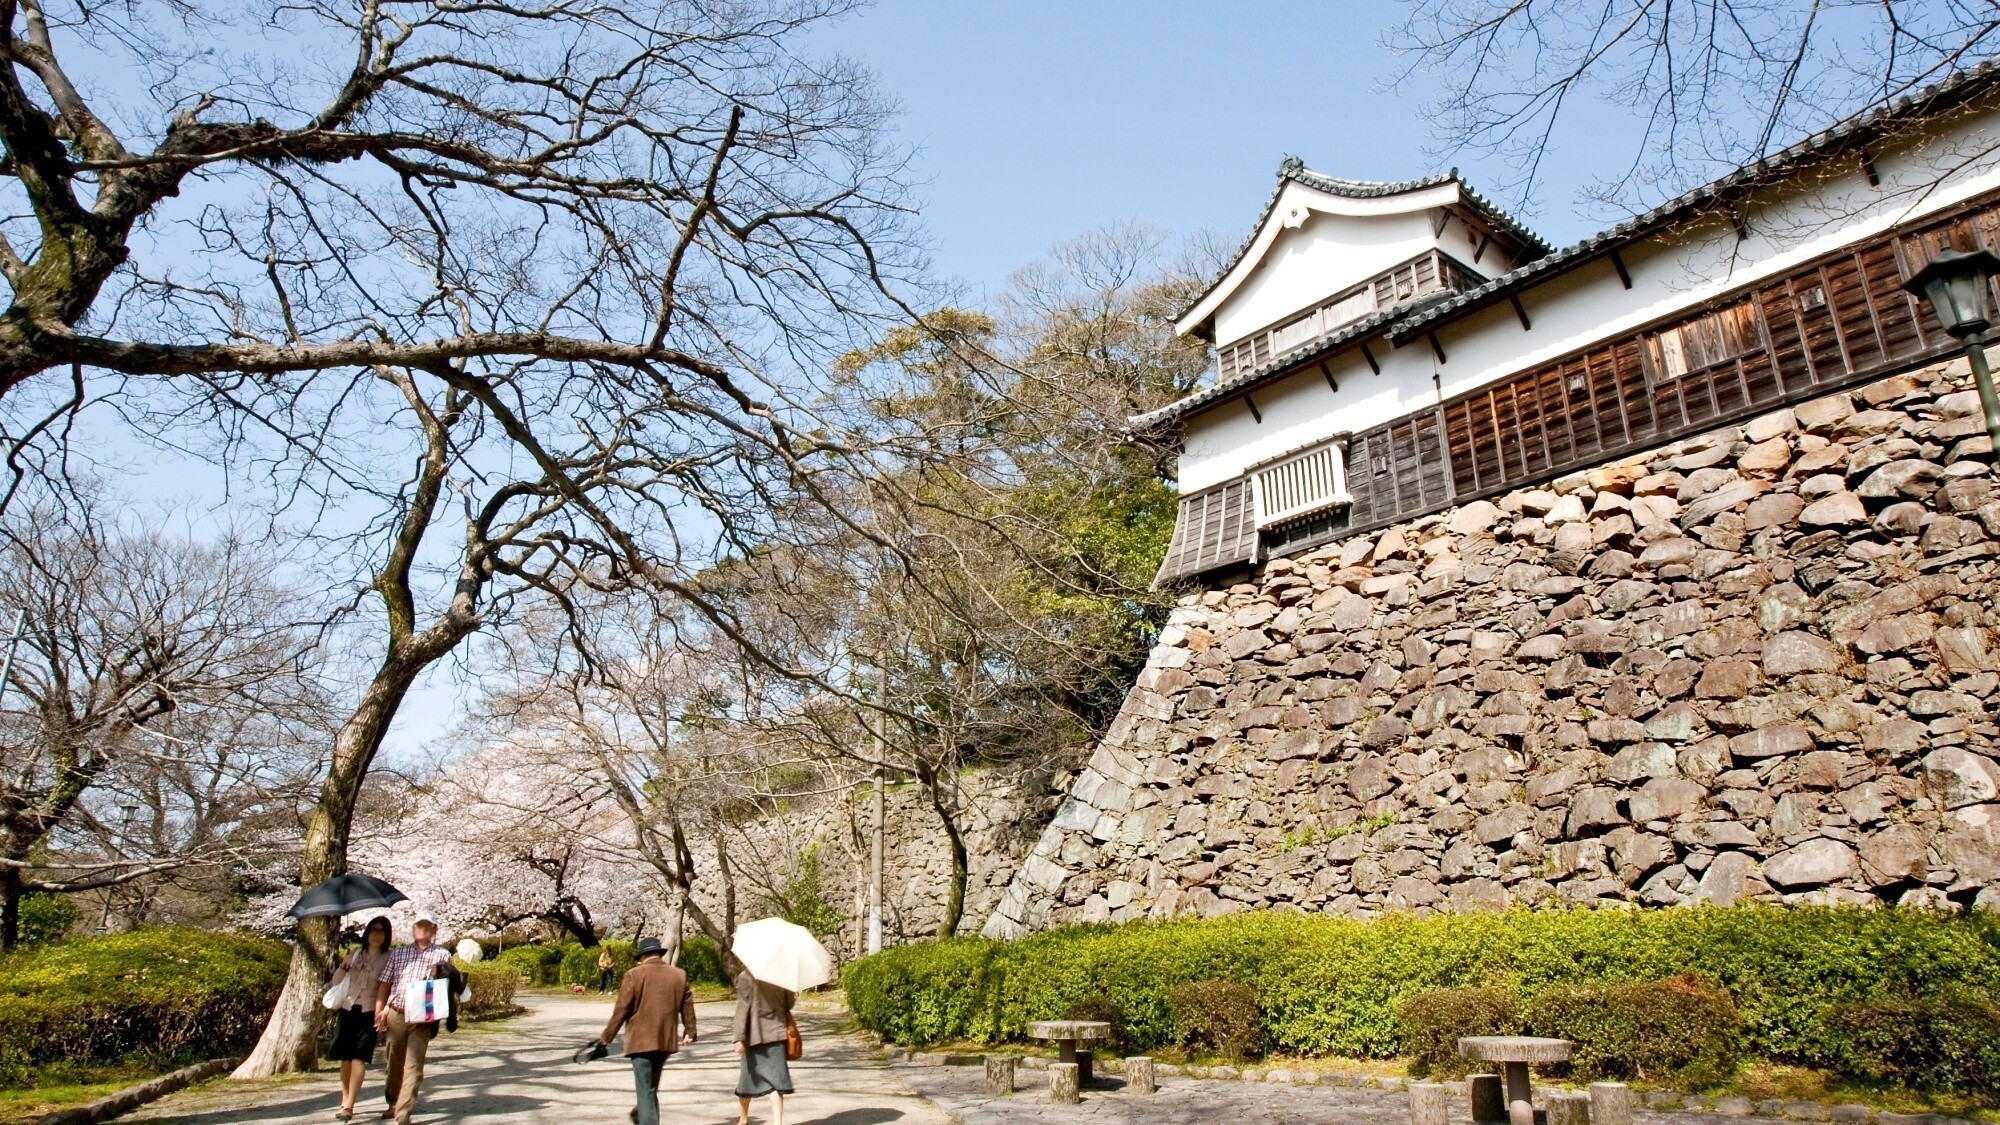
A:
671,927
10,906
728,883
954,899
291,1039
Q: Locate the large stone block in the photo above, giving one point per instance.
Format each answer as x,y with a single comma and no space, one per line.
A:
1769,742
1957,777
1592,809
1815,863
1792,652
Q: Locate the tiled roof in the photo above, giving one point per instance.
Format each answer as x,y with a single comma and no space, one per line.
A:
1855,130
1367,326
1292,169
1405,321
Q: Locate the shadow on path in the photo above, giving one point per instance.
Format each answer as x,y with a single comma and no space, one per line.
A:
520,1071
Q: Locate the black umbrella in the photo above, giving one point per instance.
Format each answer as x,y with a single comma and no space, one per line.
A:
345,894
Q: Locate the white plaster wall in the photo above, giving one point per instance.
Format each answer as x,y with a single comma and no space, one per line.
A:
1219,445
1959,159
1326,255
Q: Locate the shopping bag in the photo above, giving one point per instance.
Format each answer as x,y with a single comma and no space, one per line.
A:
427,1001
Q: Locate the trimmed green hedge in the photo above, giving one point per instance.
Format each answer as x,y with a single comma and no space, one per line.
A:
579,962
161,995
492,986
700,961
537,964
1334,986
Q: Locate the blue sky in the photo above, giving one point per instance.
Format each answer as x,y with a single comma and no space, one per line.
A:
1035,121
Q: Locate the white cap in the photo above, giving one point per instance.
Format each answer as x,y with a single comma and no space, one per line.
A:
426,916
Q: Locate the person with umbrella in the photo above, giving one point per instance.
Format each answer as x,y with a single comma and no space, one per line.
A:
354,1037
779,961
352,991
656,1011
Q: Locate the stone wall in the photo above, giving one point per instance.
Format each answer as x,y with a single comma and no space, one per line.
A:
1000,815
1756,664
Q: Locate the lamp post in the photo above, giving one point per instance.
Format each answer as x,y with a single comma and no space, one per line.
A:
1958,286
125,814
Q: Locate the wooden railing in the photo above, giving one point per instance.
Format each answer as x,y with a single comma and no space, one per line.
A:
1430,272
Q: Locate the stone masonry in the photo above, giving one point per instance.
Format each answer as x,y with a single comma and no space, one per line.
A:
1757,664
1000,814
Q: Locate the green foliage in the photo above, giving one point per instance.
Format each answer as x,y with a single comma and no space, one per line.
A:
1334,986
167,996
1683,1030
1944,1042
699,960
1433,1021
1220,1015
803,900
537,964
46,917
579,963
492,986
1101,1009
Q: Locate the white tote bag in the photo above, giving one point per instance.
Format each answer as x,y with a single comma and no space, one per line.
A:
335,996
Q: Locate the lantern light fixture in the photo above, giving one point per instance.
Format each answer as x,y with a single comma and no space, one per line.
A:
1959,286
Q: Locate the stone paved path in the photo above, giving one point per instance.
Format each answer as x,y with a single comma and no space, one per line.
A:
519,1071
1187,1101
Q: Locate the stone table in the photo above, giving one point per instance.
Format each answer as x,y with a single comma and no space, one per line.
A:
1514,1053
1066,1034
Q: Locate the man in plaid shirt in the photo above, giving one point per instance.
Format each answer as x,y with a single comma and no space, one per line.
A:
408,1041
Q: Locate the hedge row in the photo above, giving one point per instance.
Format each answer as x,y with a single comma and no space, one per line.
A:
492,987
161,995
1334,986
572,963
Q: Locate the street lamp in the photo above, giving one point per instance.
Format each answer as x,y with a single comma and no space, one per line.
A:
125,814
1957,284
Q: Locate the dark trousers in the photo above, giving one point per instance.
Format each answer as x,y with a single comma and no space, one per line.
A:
646,1069
604,980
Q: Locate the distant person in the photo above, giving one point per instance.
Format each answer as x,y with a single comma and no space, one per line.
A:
763,1025
605,965
354,1033
409,1041
657,1012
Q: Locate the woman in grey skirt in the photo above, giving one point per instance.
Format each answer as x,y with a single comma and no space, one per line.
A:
763,1015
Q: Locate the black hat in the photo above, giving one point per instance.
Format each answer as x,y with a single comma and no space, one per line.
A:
649,945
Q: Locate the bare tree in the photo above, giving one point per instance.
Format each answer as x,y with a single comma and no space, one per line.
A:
522,301
1697,87
130,638
218,791
656,709
565,181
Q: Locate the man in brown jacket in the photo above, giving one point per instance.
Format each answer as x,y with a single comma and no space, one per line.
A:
657,1012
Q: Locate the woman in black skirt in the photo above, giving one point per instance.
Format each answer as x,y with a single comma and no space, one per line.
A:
354,1039
763,1023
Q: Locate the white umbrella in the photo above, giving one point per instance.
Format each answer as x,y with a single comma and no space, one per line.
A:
777,952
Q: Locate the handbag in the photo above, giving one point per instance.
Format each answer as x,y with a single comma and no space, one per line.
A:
795,1047
335,996
427,1001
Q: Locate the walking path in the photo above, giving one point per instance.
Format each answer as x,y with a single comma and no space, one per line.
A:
520,1071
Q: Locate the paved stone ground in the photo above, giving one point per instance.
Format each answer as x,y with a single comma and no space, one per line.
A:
520,1071
1188,1101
